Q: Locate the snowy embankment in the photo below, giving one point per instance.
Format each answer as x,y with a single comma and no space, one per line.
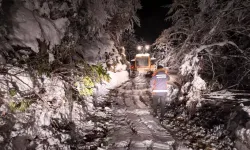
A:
116,80
221,121
50,112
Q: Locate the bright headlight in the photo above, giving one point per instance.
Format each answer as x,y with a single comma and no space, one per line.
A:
139,47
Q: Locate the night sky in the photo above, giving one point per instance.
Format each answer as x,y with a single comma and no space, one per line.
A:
152,17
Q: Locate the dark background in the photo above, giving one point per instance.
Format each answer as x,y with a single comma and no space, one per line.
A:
152,17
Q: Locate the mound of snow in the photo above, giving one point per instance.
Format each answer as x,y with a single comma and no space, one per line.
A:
116,79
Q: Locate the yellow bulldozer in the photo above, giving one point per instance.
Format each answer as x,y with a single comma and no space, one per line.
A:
143,63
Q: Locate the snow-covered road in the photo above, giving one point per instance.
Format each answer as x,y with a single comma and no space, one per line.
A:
134,127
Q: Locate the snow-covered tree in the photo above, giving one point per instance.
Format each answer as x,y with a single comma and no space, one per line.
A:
54,54
210,37
130,43
68,31
209,43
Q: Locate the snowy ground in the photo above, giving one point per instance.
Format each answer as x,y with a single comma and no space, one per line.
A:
134,127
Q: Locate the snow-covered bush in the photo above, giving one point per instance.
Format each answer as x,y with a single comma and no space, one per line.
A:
93,75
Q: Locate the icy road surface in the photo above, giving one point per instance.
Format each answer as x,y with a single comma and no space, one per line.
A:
134,127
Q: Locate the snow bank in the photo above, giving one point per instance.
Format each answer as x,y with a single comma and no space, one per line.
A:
116,79
120,67
51,116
